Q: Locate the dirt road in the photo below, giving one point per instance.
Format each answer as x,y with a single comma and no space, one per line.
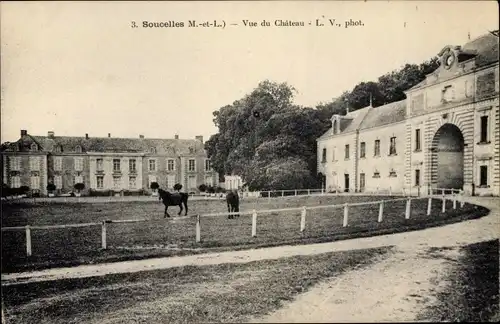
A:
397,288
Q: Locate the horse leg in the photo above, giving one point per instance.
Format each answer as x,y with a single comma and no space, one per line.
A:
186,206
180,211
166,212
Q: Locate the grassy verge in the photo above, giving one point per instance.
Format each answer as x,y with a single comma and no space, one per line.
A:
160,238
219,293
472,291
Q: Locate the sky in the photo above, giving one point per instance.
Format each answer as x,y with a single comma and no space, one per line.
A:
79,67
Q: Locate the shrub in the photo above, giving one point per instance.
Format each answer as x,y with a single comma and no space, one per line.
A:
154,185
177,187
99,193
79,186
23,190
210,189
202,187
51,187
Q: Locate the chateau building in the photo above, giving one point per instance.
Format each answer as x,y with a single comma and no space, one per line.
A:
105,164
445,134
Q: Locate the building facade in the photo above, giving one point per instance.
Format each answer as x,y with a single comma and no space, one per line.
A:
105,164
445,134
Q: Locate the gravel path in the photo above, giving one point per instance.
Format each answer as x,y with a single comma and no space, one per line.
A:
450,235
397,288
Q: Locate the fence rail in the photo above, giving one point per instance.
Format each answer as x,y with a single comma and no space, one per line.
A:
375,191
454,197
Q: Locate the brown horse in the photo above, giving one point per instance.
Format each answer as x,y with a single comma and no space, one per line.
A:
173,199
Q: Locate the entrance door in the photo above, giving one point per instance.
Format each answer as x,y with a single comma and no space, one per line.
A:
361,182
346,182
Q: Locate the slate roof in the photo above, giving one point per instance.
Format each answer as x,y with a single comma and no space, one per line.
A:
486,47
370,117
116,145
384,115
358,116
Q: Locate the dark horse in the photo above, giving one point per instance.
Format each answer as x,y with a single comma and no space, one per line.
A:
173,199
233,203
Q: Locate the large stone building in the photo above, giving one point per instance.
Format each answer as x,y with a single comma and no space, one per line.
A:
105,164
445,134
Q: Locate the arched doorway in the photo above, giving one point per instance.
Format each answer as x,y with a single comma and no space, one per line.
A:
447,169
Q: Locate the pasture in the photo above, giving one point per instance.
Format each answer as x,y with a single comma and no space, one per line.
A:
167,237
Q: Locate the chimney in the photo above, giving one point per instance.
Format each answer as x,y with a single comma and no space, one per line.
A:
109,134
86,136
50,134
176,136
141,136
199,138
24,132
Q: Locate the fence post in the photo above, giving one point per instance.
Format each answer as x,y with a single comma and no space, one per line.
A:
282,193
198,229
295,192
408,209
346,214
28,240
462,201
429,206
254,223
444,205
308,192
269,196
454,201
390,191
303,219
103,235
381,211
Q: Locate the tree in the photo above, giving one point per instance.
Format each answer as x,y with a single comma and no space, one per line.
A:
154,185
177,187
51,187
6,190
23,190
79,186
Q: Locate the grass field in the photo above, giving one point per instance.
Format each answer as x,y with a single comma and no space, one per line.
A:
167,237
222,293
472,292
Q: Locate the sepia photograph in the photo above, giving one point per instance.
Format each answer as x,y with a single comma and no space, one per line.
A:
250,161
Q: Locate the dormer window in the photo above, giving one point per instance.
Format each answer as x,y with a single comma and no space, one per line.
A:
78,149
34,147
335,124
152,150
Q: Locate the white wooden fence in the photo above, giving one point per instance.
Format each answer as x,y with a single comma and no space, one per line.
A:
254,213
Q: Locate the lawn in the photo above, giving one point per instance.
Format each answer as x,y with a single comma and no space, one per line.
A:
218,293
167,237
472,290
